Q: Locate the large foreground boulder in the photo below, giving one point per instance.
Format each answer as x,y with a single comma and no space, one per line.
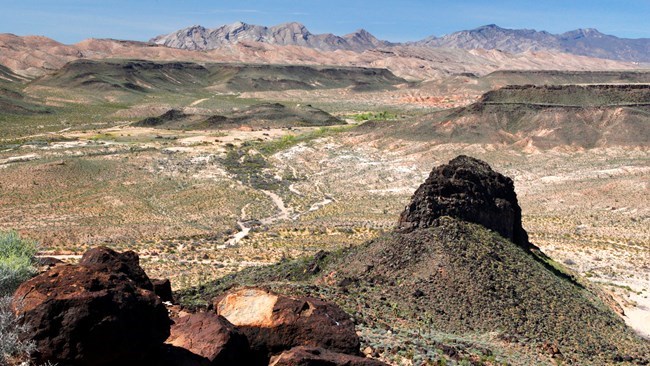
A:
211,336
274,323
94,313
313,356
467,189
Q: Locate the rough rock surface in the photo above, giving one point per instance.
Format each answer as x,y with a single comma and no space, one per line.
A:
275,323
468,189
211,336
104,259
163,288
169,355
95,313
314,356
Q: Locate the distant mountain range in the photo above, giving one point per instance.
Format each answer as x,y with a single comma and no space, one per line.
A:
584,42
288,34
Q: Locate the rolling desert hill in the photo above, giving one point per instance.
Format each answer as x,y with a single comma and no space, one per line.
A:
12,98
500,79
258,116
532,117
148,76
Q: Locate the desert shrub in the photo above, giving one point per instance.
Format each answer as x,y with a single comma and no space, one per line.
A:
16,261
12,349
16,266
383,116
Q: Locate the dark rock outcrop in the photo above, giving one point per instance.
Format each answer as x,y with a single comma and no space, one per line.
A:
170,115
169,355
210,336
468,189
104,259
163,288
274,323
100,312
314,356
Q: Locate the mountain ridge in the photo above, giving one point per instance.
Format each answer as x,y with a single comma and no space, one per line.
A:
583,41
199,38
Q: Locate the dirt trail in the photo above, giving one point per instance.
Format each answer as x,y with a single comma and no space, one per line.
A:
279,203
283,213
197,102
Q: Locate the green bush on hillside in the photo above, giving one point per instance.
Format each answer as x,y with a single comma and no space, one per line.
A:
16,261
16,266
381,116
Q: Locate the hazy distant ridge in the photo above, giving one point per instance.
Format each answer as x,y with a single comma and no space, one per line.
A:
288,34
585,42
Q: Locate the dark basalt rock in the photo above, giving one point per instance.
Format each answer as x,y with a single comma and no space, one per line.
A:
94,313
163,288
169,355
314,356
107,260
210,336
275,323
468,189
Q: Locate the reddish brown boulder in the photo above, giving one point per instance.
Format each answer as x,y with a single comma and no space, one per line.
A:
169,355
275,323
313,356
107,260
91,314
211,336
163,288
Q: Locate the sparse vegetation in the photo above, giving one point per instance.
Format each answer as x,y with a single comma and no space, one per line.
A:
16,261
11,347
16,266
368,116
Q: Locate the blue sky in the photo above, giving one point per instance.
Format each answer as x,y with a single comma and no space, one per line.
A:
70,21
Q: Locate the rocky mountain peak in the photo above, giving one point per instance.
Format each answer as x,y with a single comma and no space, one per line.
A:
583,33
238,24
286,34
468,189
294,26
489,27
195,29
